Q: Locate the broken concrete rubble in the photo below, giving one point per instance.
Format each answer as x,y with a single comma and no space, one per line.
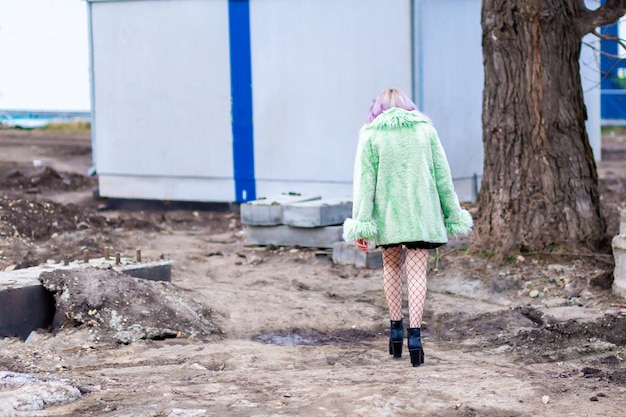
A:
25,305
124,309
20,393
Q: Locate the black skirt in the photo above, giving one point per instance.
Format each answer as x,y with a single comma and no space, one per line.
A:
414,245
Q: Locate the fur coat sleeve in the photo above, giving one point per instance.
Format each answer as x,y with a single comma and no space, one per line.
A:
457,220
362,224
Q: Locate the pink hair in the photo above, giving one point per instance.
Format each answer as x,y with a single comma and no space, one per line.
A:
388,99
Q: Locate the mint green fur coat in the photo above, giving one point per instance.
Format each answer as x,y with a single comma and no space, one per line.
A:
403,188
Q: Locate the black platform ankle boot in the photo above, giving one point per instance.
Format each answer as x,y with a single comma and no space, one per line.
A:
396,337
415,346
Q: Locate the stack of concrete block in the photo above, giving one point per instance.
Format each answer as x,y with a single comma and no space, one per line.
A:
619,253
347,253
295,220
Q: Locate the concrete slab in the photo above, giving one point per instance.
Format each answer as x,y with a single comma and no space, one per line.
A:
269,211
153,271
619,253
345,253
320,237
619,274
26,306
565,313
317,213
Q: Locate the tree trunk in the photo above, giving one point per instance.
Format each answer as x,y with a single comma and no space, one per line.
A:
540,184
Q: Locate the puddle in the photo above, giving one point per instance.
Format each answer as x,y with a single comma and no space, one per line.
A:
288,339
311,337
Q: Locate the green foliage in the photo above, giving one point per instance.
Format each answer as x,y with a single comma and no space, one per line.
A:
510,259
617,130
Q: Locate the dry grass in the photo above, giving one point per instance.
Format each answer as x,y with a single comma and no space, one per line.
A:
75,127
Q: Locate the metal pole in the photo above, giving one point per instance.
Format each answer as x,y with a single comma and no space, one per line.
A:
476,186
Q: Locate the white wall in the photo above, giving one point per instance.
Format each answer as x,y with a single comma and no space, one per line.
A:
162,99
317,65
590,77
162,93
449,74
44,62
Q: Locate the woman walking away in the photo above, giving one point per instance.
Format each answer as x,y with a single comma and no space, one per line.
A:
403,197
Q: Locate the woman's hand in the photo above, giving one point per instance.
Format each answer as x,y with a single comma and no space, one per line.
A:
361,244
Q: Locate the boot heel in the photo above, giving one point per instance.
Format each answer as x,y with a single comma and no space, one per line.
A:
396,336
396,349
414,342
417,357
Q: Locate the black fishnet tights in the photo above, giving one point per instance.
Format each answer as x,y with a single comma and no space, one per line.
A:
392,280
416,264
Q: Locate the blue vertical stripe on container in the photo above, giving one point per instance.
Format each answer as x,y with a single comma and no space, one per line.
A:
241,99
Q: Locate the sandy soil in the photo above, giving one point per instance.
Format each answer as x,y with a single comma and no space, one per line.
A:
529,336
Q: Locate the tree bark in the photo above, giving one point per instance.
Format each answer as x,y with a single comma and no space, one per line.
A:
540,184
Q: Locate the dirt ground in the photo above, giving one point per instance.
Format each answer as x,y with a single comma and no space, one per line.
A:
533,335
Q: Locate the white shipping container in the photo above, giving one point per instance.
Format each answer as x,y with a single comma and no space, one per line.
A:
230,100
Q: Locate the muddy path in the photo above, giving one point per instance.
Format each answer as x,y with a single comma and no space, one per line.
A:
530,336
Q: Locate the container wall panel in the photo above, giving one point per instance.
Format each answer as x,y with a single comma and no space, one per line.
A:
591,81
316,67
590,77
162,99
449,71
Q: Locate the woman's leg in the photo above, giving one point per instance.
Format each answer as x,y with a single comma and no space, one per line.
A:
416,267
392,280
